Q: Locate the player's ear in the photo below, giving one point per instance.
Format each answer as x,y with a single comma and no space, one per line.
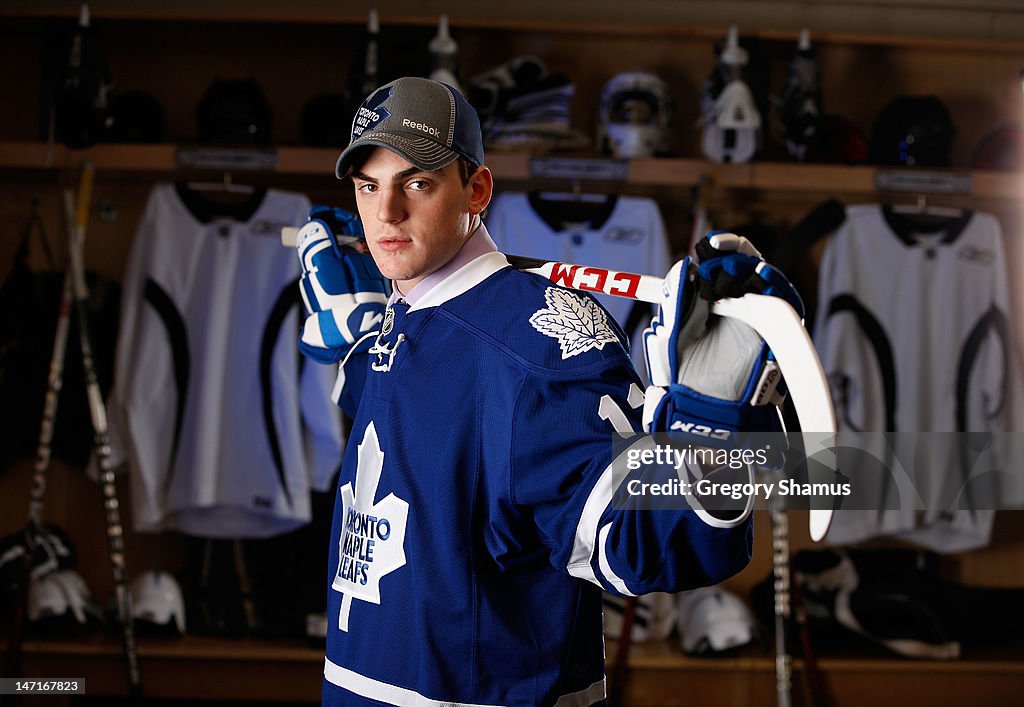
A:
481,185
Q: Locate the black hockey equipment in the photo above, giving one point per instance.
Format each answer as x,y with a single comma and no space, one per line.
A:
913,131
134,116
234,112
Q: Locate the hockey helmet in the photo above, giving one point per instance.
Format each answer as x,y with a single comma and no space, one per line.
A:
654,615
714,620
913,131
158,605
233,111
61,601
635,116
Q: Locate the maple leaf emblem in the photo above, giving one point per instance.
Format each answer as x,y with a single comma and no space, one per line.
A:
372,539
577,322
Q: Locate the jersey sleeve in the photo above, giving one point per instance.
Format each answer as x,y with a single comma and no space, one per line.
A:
325,440
351,379
142,404
564,440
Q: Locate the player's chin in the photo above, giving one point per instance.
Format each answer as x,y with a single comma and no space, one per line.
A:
397,266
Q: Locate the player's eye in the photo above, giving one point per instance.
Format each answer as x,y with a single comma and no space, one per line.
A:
419,184
366,187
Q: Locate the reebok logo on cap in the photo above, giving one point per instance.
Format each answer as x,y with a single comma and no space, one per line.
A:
421,126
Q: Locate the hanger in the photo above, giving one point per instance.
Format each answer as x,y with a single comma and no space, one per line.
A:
576,194
226,186
922,208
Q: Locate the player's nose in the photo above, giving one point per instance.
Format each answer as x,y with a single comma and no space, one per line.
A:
391,205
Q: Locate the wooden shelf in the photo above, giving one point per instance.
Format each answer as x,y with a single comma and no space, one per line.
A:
253,670
668,172
988,28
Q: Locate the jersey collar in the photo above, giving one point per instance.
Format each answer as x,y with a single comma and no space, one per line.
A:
904,226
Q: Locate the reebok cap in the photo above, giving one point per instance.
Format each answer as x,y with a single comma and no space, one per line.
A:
428,123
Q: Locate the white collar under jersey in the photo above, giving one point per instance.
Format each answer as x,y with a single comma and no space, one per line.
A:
476,260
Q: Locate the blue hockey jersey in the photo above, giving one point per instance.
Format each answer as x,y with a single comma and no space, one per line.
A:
475,498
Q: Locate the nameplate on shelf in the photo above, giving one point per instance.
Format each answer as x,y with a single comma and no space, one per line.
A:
922,181
579,168
225,158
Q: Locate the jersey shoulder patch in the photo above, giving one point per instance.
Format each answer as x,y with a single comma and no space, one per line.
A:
578,323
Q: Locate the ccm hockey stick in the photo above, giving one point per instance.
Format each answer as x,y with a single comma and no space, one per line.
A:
772,318
101,441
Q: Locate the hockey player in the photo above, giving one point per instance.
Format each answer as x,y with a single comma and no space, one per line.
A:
475,526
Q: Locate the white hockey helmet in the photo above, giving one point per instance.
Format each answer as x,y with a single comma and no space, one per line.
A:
635,115
61,599
654,615
157,602
714,620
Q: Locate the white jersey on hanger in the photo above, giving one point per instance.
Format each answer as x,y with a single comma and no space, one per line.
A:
224,427
912,330
620,232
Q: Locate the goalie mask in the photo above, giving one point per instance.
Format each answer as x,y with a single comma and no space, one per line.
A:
158,606
730,117
635,116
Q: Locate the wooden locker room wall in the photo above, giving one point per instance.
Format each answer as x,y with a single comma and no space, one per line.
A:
175,59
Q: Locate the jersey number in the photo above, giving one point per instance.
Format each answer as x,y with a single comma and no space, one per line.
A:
610,410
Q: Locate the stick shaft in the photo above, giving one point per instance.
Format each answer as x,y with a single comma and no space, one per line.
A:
101,440
780,573
590,278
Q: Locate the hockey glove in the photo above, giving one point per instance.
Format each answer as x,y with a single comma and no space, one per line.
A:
343,291
713,378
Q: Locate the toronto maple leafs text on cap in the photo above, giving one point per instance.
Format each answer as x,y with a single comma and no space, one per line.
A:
428,123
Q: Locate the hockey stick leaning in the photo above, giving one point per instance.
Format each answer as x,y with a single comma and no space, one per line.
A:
37,491
620,669
780,584
101,441
771,317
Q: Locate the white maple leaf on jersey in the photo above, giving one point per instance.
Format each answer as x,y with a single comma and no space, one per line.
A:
577,322
372,538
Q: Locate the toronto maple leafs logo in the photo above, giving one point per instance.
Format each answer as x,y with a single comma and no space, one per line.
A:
372,540
577,322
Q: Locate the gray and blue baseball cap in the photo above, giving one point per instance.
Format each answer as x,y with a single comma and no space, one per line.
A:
428,123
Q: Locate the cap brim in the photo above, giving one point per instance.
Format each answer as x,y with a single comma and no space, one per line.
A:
420,152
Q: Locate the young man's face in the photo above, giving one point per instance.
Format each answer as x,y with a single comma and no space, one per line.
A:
415,220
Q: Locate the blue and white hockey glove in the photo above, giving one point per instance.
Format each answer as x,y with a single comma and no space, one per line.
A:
343,291
713,379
